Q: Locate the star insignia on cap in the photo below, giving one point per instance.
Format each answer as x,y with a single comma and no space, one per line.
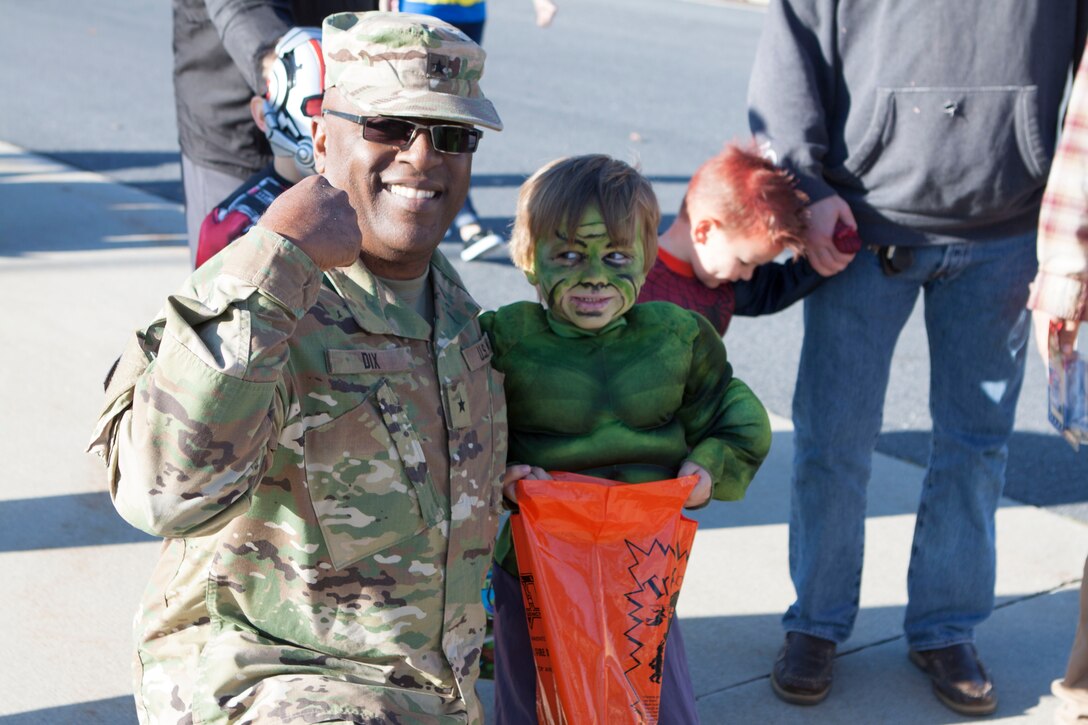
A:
442,66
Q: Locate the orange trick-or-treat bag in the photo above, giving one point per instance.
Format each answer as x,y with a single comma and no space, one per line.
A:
601,564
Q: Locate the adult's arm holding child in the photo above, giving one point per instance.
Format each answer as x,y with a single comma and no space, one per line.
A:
774,286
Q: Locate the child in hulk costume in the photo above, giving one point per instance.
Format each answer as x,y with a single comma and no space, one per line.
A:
598,385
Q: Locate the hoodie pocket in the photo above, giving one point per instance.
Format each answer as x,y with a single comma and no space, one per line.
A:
950,152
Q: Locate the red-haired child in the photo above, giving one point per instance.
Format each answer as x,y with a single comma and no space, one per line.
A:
740,212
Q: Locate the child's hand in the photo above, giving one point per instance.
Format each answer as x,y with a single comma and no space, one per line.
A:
700,495
516,473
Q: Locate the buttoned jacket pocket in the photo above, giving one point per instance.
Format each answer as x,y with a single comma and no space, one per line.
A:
368,479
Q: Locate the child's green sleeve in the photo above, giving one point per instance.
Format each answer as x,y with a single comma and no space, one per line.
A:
727,427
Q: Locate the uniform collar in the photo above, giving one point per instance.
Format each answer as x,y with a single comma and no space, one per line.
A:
377,310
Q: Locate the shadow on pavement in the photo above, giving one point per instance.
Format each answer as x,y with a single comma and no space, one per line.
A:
54,522
153,172
1043,469
730,659
105,162
112,711
159,172
46,207
1023,646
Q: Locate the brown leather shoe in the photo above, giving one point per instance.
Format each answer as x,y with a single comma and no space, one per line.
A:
802,672
959,679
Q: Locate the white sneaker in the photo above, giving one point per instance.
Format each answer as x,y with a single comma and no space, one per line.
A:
479,244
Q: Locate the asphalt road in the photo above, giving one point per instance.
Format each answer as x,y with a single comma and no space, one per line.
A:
658,82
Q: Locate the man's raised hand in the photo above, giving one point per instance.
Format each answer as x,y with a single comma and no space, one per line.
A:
317,218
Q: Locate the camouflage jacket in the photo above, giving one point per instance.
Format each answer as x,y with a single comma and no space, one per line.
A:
326,473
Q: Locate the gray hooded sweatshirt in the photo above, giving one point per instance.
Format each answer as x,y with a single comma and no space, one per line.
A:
936,120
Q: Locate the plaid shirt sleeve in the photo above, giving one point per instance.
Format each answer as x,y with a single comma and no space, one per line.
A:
1061,287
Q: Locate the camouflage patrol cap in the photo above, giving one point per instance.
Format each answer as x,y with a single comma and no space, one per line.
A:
402,64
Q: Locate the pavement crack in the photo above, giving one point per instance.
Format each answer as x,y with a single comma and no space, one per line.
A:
757,678
1036,595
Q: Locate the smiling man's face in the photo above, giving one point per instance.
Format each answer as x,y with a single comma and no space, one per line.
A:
405,200
589,280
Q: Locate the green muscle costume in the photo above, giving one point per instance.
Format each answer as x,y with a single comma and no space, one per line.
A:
630,401
326,471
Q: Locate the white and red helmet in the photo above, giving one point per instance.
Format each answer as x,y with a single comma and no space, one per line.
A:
295,89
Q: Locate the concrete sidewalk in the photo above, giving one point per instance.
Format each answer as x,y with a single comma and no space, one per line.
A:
83,261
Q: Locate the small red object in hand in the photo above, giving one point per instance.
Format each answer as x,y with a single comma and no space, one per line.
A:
846,238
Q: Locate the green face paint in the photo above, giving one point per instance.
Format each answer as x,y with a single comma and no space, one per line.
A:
590,280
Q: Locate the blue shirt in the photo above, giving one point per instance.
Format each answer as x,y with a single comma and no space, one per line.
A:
452,11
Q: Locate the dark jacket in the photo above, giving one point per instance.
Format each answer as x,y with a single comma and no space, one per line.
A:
934,120
218,46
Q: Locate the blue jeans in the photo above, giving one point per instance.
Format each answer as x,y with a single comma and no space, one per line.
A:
975,293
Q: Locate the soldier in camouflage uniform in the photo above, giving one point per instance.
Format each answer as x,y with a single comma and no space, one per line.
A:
313,425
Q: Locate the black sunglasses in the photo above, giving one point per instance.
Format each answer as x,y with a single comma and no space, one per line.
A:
398,132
